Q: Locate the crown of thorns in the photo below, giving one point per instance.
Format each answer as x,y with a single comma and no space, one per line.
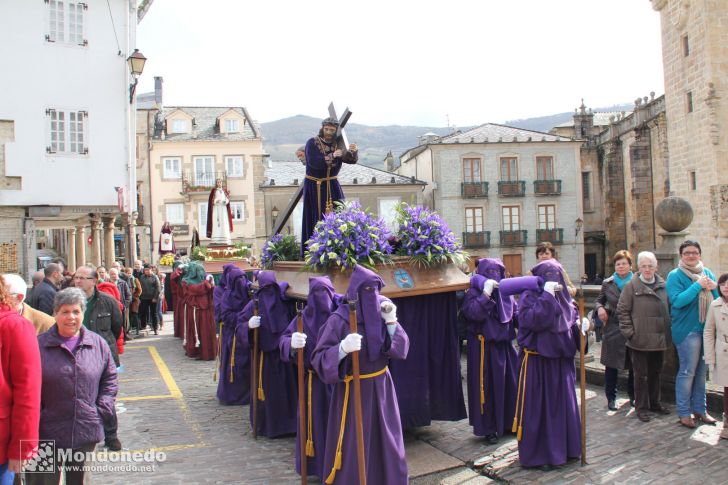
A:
330,121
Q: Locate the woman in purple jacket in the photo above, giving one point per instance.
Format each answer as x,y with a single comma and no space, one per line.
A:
78,389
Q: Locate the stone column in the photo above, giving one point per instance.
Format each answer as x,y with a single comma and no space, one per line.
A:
80,246
71,249
129,223
109,253
95,241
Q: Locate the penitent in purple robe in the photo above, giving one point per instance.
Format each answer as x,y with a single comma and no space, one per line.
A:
233,385
321,303
490,331
429,383
383,442
277,388
316,194
549,424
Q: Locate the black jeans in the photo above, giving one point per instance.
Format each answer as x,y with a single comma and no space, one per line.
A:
611,376
111,425
148,313
647,366
73,468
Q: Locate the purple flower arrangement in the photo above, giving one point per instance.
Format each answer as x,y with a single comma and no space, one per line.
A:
348,236
425,237
279,248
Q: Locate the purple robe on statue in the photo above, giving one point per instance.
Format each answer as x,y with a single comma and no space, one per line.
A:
316,194
322,300
383,442
492,359
233,385
549,426
429,383
276,379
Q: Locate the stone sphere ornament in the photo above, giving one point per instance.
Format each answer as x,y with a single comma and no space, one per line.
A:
674,214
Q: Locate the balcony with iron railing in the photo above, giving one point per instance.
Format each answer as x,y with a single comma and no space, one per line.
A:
547,187
512,188
513,238
195,182
554,236
476,239
474,190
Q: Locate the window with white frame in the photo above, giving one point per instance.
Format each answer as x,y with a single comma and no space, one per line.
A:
179,126
234,165
547,216
237,208
388,212
172,168
202,216
67,131
175,213
232,126
66,22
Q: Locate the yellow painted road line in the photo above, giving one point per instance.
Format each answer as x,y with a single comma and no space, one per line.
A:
174,393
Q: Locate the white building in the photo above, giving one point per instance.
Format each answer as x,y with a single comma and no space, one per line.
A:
503,190
69,146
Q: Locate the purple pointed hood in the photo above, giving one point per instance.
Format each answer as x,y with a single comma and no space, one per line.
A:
551,270
364,288
237,294
320,304
271,307
494,269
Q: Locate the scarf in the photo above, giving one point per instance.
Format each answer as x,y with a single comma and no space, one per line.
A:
620,282
706,296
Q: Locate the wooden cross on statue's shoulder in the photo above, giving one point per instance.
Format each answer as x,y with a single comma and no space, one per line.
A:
341,142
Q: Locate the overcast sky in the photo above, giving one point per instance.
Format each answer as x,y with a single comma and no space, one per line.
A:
402,62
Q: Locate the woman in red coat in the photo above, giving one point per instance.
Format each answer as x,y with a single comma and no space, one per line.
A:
20,378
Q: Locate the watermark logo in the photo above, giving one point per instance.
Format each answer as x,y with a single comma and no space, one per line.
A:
44,457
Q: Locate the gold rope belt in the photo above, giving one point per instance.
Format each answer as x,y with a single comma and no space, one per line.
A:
342,426
329,201
217,357
309,442
232,359
482,362
261,394
521,398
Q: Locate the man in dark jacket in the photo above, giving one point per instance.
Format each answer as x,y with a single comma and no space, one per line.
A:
43,294
150,295
103,317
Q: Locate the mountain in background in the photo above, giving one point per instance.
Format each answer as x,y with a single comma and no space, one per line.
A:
282,137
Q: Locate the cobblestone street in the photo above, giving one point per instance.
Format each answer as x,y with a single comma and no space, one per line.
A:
167,403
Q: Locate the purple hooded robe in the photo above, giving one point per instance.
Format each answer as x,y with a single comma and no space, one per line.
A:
276,379
547,415
322,301
233,385
492,359
383,442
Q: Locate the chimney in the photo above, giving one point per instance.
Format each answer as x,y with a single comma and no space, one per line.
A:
158,90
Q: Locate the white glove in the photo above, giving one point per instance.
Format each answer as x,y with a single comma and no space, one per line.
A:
389,312
489,286
351,343
254,321
585,324
551,287
298,340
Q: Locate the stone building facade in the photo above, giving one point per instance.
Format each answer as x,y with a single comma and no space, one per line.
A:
624,175
502,190
695,59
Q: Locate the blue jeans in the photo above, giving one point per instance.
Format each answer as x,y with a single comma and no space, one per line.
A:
690,380
6,476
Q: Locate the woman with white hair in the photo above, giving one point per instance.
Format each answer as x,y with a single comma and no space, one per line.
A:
644,320
17,289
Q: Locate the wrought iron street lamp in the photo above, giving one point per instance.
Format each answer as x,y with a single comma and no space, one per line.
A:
136,65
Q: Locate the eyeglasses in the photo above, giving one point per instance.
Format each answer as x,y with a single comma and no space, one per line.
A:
83,278
691,253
